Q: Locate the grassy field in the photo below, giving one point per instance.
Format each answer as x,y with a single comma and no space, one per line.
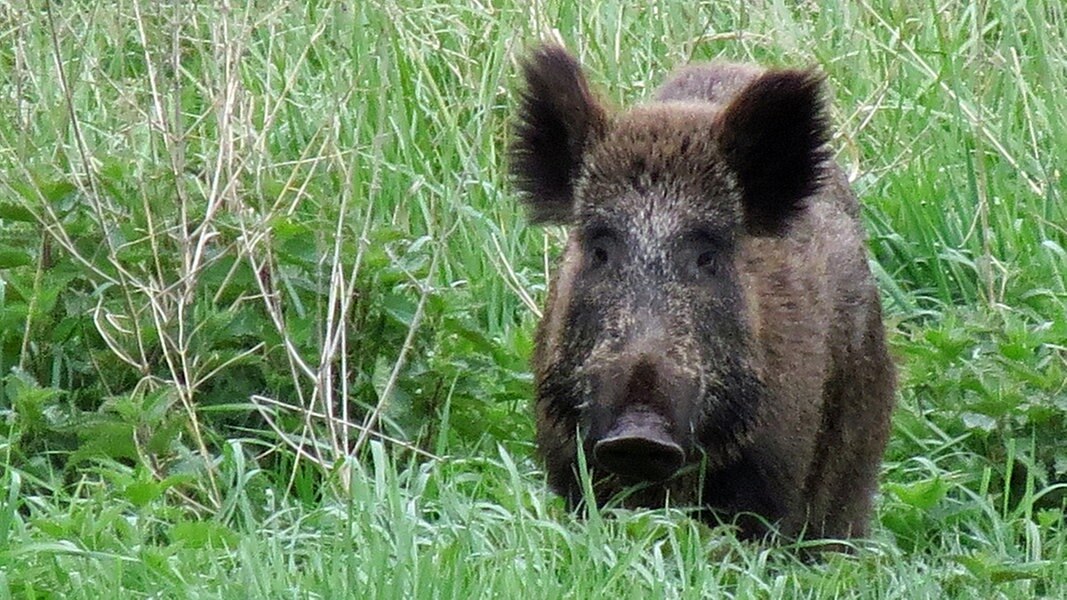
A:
267,299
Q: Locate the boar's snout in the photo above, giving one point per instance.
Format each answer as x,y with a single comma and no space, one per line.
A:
644,403
639,447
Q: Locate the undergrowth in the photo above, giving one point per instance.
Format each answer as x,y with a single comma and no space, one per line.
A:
267,299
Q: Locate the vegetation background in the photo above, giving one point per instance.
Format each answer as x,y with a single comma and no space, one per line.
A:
266,298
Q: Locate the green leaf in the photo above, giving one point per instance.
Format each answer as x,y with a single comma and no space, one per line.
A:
978,421
13,257
204,534
13,212
140,493
30,399
107,438
922,494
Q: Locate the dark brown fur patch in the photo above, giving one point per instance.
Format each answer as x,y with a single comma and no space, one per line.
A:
774,134
557,115
716,83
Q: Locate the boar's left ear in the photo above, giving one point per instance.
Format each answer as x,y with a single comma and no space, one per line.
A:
557,117
773,135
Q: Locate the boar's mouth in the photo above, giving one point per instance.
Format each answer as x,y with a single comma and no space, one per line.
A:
639,447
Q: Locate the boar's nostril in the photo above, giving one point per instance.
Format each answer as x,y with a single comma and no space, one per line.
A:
639,447
639,458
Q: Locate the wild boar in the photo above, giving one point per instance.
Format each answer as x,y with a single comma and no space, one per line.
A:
712,329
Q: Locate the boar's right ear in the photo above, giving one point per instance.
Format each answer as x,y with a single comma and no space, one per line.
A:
557,117
773,135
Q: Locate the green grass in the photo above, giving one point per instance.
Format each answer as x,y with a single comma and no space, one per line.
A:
230,241
484,527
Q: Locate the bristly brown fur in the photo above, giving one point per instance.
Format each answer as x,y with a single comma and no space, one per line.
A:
714,295
557,113
774,136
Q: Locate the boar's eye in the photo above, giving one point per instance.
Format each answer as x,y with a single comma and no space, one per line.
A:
706,259
703,252
600,247
598,256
